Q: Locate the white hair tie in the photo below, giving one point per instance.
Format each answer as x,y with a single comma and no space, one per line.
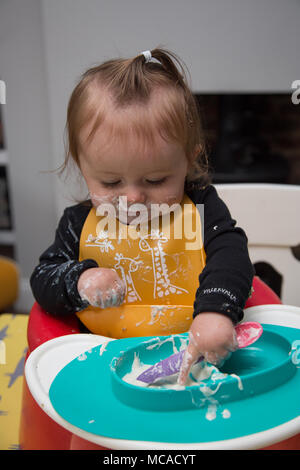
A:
149,58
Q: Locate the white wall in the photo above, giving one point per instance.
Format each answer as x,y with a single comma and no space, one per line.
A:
26,125
228,45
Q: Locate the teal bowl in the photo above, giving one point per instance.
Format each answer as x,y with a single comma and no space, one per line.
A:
256,369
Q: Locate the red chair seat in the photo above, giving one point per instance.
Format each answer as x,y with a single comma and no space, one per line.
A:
43,326
262,294
37,430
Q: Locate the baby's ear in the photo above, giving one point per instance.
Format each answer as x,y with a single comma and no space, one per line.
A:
199,148
194,154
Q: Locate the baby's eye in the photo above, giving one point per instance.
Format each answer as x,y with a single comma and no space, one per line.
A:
108,185
162,180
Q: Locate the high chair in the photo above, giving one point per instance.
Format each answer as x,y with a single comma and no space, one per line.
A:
271,223
37,429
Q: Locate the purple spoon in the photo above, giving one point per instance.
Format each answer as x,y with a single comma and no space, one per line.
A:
246,334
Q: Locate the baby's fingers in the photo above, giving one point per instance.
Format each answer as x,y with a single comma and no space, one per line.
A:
190,356
217,358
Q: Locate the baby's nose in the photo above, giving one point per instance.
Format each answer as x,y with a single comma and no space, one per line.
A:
135,196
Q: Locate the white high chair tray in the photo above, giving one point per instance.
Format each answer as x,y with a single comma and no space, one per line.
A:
46,361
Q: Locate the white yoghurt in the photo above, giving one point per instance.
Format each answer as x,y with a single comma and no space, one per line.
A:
199,374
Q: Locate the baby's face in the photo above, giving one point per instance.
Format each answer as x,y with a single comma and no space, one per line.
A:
152,175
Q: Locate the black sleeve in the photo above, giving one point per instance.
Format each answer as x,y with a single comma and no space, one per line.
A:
225,282
54,280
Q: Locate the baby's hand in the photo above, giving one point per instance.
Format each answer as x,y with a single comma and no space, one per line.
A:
211,335
101,287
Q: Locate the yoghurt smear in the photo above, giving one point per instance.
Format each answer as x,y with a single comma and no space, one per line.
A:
199,375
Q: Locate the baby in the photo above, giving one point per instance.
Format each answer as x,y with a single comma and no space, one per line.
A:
134,132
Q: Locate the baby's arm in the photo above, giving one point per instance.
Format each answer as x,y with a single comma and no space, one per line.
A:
224,284
226,280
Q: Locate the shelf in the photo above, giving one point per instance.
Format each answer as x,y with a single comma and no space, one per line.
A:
7,237
3,157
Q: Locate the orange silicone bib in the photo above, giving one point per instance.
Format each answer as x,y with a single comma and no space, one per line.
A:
160,267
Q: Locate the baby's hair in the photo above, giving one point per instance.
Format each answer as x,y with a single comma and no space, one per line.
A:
119,83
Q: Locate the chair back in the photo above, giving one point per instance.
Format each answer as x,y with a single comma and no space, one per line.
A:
270,216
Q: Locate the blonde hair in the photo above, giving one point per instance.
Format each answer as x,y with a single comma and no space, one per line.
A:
133,82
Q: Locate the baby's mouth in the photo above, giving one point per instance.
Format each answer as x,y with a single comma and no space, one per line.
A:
141,213
136,213
129,216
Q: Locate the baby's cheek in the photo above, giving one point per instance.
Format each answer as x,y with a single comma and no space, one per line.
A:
98,199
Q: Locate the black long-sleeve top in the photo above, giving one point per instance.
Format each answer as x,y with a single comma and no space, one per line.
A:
224,283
